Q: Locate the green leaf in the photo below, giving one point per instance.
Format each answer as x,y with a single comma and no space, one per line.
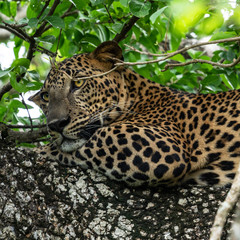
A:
178,58
17,86
15,104
5,72
5,8
33,22
24,62
34,75
226,81
175,41
31,13
56,21
80,5
155,15
97,2
48,39
117,27
222,35
211,80
13,8
139,8
35,4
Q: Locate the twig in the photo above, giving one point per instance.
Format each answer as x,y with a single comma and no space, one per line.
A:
25,126
180,51
235,62
93,76
126,28
18,29
29,116
43,9
121,63
14,31
40,30
27,137
109,13
60,33
226,207
146,53
66,14
42,140
44,50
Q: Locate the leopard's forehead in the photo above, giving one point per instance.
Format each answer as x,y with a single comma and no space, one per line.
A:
62,72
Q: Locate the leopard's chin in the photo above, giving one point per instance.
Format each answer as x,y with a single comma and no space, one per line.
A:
69,145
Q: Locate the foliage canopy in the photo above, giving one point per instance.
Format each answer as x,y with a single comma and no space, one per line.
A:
67,27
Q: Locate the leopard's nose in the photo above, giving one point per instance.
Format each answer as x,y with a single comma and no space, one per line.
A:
59,124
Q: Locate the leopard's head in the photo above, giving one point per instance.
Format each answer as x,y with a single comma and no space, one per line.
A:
76,107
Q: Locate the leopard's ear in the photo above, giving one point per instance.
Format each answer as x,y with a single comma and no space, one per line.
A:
35,98
108,51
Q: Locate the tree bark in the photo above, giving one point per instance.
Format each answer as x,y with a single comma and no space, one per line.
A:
44,200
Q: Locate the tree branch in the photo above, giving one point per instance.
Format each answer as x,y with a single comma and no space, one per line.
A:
235,62
23,137
43,9
112,21
169,55
126,28
41,30
25,126
14,31
226,207
66,14
5,88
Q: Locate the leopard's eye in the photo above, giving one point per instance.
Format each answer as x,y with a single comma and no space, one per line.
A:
45,96
77,83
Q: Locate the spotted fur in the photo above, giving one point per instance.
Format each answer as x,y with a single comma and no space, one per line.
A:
135,130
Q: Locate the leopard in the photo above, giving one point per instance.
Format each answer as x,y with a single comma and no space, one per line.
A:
104,116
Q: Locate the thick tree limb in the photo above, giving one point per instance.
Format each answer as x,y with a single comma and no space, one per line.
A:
126,28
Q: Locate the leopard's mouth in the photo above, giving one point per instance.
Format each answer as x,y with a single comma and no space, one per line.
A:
70,145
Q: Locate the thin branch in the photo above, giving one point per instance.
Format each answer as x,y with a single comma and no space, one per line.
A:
226,207
17,29
121,63
93,76
43,9
27,137
59,37
112,21
40,30
180,51
146,53
235,62
66,14
126,28
29,116
46,51
25,126
177,52
13,31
